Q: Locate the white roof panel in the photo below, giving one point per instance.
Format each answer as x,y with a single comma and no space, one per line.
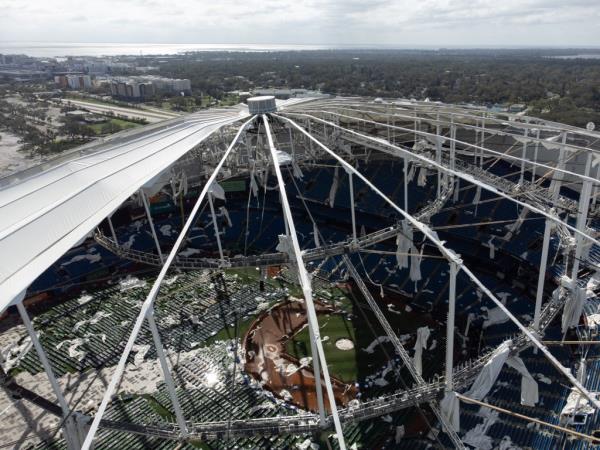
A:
43,213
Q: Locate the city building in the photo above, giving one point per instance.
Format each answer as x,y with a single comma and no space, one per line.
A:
75,81
142,87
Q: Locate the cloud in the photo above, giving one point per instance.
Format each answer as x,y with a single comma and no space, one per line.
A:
350,22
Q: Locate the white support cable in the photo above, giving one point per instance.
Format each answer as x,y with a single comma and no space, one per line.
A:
524,154
468,178
166,372
450,326
112,229
152,295
559,169
467,144
584,205
542,275
482,138
351,187
438,154
71,440
313,348
305,283
151,222
43,359
462,114
453,257
215,226
535,155
400,350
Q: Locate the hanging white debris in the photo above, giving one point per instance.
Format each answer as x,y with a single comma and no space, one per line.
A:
74,344
285,244
422,178
477,196
223,211
11,355
522,139
514,228
265,178
316,235
573,308
507,444
404,241
253,184
529,387
477,437
179,185
456,190
400,432
217,191
296,170
91,257
495,316
411,172
421,344
334,186
415,263
488,375
450,406
283,158
577,405
492,248
436,140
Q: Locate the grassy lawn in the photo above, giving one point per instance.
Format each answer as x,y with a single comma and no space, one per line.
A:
91,100
229,332
158,408
230,100
123,124
341,363
245,274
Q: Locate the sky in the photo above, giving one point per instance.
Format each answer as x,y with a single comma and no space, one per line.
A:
395,23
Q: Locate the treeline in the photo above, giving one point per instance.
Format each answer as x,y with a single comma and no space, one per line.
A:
567,90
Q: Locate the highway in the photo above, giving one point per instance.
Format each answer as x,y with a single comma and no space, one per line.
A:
151,115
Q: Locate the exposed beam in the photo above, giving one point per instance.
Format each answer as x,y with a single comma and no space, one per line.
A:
305,283
147,305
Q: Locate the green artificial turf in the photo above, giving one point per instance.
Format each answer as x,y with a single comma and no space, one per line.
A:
341,363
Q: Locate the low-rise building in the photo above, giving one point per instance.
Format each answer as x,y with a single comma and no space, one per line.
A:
142,87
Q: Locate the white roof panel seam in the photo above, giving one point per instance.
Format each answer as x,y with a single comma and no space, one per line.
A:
39,212
66,165
33,257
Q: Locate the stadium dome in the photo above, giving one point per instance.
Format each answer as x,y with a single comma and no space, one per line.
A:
325,273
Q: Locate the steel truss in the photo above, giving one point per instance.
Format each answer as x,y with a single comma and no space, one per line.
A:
322,133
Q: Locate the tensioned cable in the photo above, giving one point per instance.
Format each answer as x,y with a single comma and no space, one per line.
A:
532,124
456,173
466,144
395,368
454,258
306,288
148,303
381,286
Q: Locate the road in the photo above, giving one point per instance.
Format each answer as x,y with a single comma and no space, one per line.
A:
151,115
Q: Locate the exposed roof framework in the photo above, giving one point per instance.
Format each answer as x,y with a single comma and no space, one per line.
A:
45,214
